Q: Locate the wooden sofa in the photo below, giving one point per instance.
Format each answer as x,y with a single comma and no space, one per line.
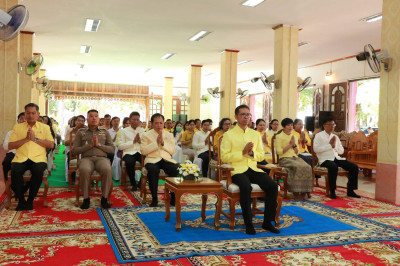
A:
363,151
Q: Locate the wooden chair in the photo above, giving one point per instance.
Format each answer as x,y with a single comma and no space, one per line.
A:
143,181
27,176
323,171
232,192
363,151
73,161
213,165
124,179
95,177
281,173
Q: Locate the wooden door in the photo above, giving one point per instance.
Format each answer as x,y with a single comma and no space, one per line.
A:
338,104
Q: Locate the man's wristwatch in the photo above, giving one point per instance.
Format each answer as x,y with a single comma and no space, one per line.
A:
294,146
36,140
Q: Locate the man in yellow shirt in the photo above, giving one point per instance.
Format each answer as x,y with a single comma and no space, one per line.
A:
241,147
30,139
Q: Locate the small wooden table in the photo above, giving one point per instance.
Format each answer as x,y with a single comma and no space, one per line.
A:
204,186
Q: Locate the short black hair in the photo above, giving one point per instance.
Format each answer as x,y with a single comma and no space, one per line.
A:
134,113
191,121
286,121
107,115
327,119
155,116
271,122
209,120
297,120
240,107
258,121
92,111
168,120
205,121
84,118
196,120
115,117
221,123
20,114
32,105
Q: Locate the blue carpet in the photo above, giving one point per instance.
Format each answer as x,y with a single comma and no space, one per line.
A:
141,233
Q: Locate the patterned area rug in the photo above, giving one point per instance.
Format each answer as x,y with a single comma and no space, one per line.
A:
139,234
60,215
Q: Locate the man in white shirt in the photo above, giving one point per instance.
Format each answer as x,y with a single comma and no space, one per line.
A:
10,153
327,147
129,143
200,145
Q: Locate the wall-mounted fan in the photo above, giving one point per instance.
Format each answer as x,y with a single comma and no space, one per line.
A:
302,84
205,99
241,93
183,97
267,81
34,64
12,22
43,84
374,59
48,93
214,92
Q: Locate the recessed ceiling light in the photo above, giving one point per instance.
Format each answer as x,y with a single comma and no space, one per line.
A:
200,35
373,18
85,49
252,3
147,70
244,62
167,56
92,24
303,43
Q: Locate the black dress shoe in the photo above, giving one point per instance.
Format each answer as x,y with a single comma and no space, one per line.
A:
250,230
86,204
352,194
28,206
332,195
154,204
20,206
269,227
104,203
134,188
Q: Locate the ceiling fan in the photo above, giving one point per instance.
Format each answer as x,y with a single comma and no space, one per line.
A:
302,84
214,92
12,22
375,58
241,93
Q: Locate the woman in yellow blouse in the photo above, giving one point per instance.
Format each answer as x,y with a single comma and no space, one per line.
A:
224,125
186,140
300,178
273,127
266,140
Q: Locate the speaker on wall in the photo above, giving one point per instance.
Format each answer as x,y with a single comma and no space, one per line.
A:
310,123
323,115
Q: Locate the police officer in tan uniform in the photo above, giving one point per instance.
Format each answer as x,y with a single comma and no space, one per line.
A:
93,143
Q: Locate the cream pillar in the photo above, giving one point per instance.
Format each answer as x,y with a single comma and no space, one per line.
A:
285,71
168,98
194,91
9,86
388,164
228,84
9,78
26,88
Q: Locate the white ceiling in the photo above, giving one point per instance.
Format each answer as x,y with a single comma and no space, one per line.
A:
135,34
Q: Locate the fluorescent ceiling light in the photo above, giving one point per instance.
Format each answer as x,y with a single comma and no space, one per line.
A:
209,74
252,3
147,70
244,62
166,56
92,24
85,49
303,43
200,35
372,18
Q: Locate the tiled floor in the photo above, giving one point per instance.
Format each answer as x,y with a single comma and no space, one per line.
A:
366,185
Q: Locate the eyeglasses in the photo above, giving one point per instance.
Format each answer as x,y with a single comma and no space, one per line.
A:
245,115
330,125
227,124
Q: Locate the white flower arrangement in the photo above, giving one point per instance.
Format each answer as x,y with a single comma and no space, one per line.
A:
189,171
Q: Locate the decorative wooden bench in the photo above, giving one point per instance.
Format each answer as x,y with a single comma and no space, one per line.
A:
363,151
